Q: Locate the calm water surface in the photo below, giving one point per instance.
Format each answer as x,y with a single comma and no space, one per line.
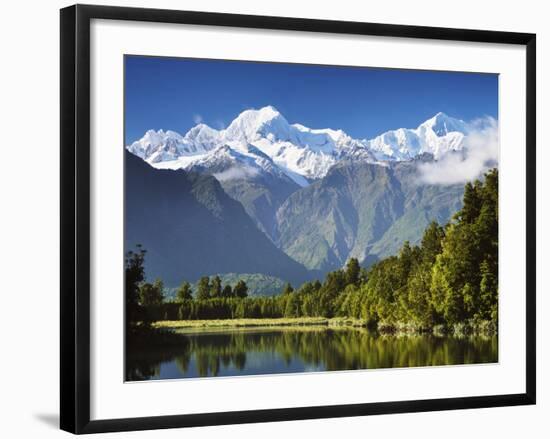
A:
254,351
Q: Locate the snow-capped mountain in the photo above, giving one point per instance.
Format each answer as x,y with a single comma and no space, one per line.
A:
256,140
164,146
318,195
241,160
437,136
263,140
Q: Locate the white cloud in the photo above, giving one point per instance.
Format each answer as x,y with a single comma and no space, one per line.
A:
236,173
197,118
479,154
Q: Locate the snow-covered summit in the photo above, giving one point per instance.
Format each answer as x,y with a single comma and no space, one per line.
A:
441,125
164,146
252,125
437,136
263,139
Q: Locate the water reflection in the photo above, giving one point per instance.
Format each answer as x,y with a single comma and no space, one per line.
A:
263,351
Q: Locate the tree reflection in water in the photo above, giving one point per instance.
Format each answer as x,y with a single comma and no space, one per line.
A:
205,354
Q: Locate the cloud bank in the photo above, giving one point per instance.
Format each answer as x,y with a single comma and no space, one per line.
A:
236,173
479,154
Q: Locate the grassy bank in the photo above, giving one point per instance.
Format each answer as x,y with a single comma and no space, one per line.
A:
461,329
243,323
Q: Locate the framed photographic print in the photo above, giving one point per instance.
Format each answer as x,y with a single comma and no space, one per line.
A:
284,218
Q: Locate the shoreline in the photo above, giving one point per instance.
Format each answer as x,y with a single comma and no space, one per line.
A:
257,322
461,329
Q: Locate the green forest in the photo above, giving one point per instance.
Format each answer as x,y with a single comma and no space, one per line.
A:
449,279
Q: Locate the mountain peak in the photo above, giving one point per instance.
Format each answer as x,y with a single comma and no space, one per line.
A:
439,117
269,110
259,116
303,154
160,136
442,124
253,123
201,130
200,126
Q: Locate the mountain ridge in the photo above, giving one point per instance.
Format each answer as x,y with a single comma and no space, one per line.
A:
303,154
361,210
316,196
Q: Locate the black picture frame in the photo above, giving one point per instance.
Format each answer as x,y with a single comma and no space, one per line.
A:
75,217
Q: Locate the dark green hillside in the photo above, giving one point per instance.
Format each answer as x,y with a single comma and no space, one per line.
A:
190,227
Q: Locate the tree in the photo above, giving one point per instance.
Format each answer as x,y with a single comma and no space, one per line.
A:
406,260
227,291
292,308
352,272
334,282
431,242
185,310
151,294
287,289
472,203
464,277
308,306
381,289
418,301
241,289
453,309
363,275
488,292
184,292
216,287
134,276
456,266
203,288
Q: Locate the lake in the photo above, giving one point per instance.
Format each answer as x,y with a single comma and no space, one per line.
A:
255,351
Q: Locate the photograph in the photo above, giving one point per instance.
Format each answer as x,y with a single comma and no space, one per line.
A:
286,218
265,219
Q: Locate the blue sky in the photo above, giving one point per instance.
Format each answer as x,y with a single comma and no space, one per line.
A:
177,93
